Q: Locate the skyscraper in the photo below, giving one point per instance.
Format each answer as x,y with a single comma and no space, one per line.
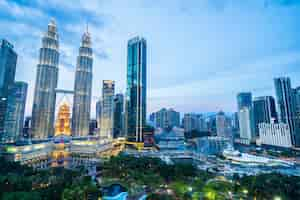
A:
286,104
45,85
107,118
244,99
118,115
246,133
136,89
83,88
8,62
264,111
98,114
167,118
221,124
15,112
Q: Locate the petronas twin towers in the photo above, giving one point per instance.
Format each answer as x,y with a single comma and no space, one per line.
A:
46,83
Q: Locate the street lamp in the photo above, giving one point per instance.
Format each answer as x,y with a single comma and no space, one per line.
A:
277,198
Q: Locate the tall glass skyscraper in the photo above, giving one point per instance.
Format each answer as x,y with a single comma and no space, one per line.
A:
264,111
286,104
118,115
45,85
15,112
244,99
8,62
107,114
83,88
136,89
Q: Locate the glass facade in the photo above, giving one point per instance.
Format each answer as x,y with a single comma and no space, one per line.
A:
286,104
8,62
15,112
83,88
118,115
136,89
244,99
107,117
46,82
264,111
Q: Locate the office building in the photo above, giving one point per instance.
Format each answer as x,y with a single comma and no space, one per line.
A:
8,62
46,82
13,124
190,122
93,127
107,118
264,111
98,115
286,105
118,115
221,124
246,133
275,134
244,99
167,118
27,128
136,89
83,88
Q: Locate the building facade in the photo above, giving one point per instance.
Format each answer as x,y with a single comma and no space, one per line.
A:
107,117
167,118
8,62
286,105
264,111
221,124
246,134
46,82
136,90
14,119
118,115
244,99
275,134
83,88
98,115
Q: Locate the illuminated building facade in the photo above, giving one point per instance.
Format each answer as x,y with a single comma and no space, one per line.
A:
45,85
62,125
83,88
136,89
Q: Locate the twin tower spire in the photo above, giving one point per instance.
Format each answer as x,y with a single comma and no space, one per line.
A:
43,110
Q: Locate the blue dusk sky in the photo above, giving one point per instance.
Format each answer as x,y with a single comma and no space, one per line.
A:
201,53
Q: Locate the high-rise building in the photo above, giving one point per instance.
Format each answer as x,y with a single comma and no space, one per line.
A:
27,128
264,111
14,119
167,118
98,114
221,124
8,62
189,122
83,88
275,134
244,99
136,89
92,127
118,115
297,113
286,105
246,133
107,118
46,82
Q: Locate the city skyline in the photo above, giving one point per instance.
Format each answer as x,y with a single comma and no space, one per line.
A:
265,50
